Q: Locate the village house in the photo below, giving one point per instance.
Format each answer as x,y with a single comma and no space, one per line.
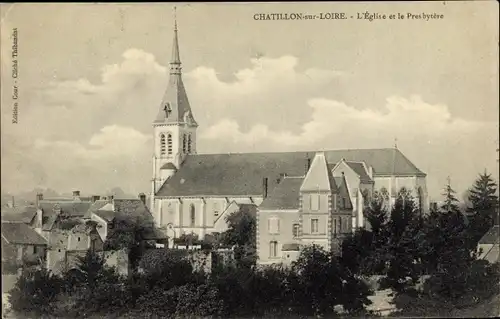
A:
69,227
21,245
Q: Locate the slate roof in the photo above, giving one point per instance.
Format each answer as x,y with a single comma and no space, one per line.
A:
175,97
242,173
360,169
95,206
491,237
284,196
19,233
107,215
22,214
343,191
317,178
72,208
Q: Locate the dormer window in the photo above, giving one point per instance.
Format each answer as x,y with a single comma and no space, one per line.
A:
168,109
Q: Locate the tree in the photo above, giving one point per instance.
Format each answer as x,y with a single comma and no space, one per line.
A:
401,250
35,292
129,233
447,242
376,213
241,234
483,207
324,283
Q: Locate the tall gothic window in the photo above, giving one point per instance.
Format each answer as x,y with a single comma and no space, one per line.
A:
162,144
192,215
189,144
184,142
169,143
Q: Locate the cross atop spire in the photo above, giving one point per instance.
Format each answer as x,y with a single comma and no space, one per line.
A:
175,18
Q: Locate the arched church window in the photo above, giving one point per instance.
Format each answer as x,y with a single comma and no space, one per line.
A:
189,144
184,143
169,143
162,144
192,214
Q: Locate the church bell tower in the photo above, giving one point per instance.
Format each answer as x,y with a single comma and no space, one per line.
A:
174,127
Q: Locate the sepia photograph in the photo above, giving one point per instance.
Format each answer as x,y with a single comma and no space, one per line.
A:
250,160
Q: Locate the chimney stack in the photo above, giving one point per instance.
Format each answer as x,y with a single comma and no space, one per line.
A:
142,197
95,198
110,198
39,197
264,187
308,165
76,195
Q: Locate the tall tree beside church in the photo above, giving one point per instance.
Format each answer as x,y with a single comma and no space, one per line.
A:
241,235
453,253
483,207
402,249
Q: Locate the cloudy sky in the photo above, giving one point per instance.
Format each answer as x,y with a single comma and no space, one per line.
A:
91,77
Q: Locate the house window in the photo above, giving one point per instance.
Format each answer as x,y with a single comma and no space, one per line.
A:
192,215
273,249
273,225
184,143
78,238
189,144
162,144
314,201
339,225
343,203
295,230
169,143
334,227
314,226
35,249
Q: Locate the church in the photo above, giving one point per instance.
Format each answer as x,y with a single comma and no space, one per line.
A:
299,198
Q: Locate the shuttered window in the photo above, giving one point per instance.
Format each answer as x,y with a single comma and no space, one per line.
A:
273,225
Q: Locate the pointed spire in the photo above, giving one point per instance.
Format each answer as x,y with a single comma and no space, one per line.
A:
175,62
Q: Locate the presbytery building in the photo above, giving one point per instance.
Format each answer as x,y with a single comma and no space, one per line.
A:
301,198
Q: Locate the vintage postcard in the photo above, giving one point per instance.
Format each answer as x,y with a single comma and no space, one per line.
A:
260,160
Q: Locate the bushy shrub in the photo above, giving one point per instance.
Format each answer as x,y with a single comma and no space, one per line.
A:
35,292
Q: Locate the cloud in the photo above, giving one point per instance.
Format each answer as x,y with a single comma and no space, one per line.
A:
93,135
403,118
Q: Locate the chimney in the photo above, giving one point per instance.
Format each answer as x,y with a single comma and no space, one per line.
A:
110,198
76,195
39,197
308,165
95,198
142,197
370,171
264,187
